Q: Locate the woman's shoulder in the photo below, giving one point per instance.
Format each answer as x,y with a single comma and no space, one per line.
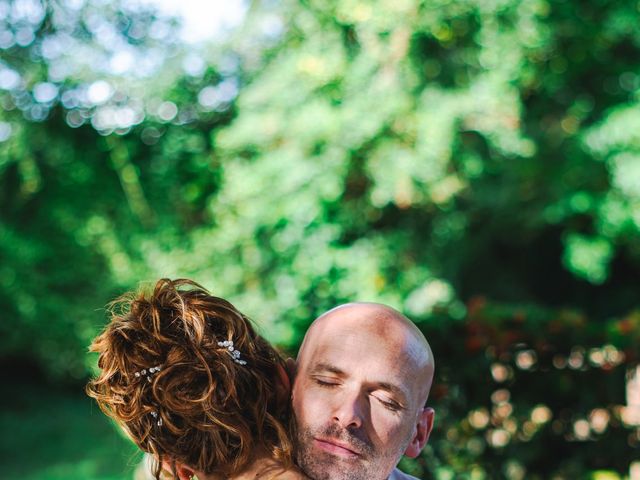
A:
269,469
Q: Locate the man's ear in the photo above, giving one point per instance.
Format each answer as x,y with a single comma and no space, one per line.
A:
291,367
283,387
423,430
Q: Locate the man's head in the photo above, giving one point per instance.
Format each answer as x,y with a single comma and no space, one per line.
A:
363,376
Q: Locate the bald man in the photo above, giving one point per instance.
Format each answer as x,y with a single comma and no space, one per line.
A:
363,377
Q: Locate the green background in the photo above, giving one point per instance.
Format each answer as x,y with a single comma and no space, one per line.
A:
475,164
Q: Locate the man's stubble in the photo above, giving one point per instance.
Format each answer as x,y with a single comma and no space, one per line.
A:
325,466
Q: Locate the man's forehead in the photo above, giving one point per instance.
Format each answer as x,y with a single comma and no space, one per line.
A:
341,330
343,335
351,351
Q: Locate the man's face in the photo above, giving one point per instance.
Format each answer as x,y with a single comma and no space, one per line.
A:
356,402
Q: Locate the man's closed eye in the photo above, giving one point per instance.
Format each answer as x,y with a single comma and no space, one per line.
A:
325,382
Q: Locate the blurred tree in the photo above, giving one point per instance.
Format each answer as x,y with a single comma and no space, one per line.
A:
84,176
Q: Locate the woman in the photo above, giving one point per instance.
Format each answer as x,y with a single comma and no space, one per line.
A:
190,382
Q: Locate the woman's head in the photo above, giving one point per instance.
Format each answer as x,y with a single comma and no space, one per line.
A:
213,401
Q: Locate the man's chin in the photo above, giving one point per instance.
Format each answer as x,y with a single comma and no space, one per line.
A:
320,464
332,468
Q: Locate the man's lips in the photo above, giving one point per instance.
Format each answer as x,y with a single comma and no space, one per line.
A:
336,448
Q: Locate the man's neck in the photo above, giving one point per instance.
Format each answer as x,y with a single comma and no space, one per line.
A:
399,475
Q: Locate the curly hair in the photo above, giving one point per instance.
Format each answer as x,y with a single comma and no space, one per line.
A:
202,407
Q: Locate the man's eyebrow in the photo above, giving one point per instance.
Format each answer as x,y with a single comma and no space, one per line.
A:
323,367
326,367
394,389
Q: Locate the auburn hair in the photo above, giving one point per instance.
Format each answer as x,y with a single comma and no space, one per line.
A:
202,408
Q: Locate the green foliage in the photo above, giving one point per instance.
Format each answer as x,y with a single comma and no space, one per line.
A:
472,163
54,433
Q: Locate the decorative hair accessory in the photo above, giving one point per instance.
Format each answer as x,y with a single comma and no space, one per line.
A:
235,354
155,415
148,373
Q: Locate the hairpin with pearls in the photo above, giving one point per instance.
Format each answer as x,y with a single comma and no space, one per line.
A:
159,419
235,354
147,373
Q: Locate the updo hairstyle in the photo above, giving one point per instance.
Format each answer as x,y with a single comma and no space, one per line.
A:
205,406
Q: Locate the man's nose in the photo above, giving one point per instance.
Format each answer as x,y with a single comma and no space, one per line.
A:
351,410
